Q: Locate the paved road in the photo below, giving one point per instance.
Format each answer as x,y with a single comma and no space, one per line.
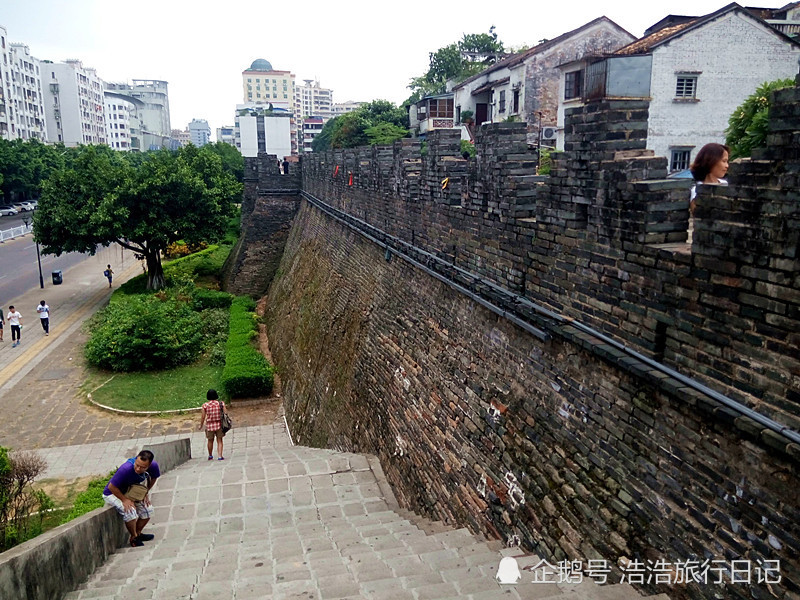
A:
41,398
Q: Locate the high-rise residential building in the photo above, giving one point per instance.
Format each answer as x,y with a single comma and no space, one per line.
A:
226,134
199,132
74,103
22,113
313,101
151,100
120,118
264,86
261,128
345,107
311,128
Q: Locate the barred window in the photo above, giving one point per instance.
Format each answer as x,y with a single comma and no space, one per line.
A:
679,159
686,87
502,102
442,109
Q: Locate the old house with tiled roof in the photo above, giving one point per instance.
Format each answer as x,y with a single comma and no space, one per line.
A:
524,87
694,70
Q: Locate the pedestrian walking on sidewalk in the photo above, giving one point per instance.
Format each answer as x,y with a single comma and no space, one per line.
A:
211,415
109,274
2,323
15,321
44,316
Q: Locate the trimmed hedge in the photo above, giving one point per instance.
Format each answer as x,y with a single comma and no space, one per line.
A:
247,373
203,299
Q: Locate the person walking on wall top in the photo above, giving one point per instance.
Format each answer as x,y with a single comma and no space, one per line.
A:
211,415
44,316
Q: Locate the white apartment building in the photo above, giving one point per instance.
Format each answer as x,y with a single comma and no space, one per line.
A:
340,108
183,137
74,103
311,100
260,129
199,132
226,134
151,100
119,118
22,113
311,129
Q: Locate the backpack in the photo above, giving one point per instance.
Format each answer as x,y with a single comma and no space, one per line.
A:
225,422
105,273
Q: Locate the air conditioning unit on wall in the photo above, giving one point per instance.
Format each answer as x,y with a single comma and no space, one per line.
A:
549,133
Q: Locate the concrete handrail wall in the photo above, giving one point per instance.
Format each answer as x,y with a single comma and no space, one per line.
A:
55,563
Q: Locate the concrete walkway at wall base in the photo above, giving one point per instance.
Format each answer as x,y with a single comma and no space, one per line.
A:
281,521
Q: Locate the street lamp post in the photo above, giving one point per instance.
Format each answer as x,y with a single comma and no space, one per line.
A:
26,220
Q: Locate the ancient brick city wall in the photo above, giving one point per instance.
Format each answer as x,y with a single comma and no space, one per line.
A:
562,443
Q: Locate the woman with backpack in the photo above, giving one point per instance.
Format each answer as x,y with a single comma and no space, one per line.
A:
213,414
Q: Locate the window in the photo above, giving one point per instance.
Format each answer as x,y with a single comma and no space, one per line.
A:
573,84
502,107
515,102
679,159
441,109
686,86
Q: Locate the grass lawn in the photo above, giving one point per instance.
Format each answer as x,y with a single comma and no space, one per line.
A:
179,388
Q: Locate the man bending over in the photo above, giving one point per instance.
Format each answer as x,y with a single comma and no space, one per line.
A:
128,492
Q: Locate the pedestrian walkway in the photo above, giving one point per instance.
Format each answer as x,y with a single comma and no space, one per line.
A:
280,521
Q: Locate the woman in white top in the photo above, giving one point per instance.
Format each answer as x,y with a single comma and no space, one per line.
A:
709,166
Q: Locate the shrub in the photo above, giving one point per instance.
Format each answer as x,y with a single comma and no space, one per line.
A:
145,333
749,124
22,508
545,161
247,372
469,148
203,299
90,499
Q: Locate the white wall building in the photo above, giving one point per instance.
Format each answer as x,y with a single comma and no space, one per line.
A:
199,132
259,129
226,134
118,118
695,74
22,113
311,129
74,103
311,100
340,108
151,99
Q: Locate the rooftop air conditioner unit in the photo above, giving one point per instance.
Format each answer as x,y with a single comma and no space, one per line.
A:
549,133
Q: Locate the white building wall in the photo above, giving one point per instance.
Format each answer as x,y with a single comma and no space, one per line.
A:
247,138
279,136
74,104
118,123
734,55
199,132
22,113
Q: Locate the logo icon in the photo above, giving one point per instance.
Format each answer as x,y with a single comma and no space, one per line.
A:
508,571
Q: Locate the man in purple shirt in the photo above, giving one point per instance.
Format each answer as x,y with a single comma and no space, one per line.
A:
139,471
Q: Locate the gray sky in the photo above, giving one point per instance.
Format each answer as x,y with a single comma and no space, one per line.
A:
361,49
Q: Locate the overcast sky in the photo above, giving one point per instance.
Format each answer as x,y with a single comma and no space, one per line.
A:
361,49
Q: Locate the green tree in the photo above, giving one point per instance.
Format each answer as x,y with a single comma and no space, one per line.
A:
749,124
350,129
232,159
100,199
456,61
24,165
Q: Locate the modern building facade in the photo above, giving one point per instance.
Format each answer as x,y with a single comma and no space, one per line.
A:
267,89
227,134
311,129
22,114
340,108
74,104
262,129
151,99
311,100
199,132
119,116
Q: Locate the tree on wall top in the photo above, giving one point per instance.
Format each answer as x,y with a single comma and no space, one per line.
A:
101,198
748,126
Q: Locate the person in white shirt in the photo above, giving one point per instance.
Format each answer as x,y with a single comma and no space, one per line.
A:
709,167
15,321
44,316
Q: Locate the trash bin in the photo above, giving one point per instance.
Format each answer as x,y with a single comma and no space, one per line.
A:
58,278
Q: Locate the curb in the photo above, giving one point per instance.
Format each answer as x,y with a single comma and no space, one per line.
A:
383,483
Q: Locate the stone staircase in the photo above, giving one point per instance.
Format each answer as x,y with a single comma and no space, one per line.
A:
308,524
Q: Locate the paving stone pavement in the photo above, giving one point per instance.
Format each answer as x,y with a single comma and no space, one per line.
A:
281,521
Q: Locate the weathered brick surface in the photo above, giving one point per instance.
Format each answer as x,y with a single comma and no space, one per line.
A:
575,450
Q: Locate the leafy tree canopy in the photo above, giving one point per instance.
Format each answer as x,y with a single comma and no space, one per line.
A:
101,198
457,61
748,125
24,165
232,159
351,129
